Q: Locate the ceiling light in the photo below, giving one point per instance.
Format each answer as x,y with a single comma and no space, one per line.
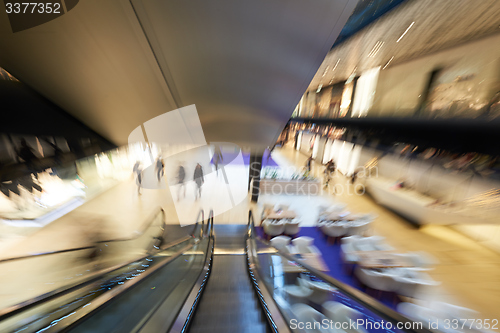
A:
404,33
375,49
388,62
336,65
326,70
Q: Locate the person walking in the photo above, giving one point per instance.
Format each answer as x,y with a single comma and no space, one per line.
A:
181,176
308,165
199,180
217,159
138,172
329,170
159,168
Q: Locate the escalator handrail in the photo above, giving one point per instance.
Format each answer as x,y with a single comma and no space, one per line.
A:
26,305
143,229
210,224
275,318
67,322
202,213
365,300
185,315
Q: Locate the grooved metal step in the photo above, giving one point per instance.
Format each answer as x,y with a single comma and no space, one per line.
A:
229,303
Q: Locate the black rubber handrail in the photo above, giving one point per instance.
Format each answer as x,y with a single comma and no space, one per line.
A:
277,322
202,213
358,296
144,227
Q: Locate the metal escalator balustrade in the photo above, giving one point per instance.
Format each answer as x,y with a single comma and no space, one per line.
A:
43,276
67,309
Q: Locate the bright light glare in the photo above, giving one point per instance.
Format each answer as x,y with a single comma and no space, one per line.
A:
388,62
404,33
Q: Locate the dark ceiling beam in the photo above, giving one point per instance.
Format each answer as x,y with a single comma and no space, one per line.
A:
25,112
458,135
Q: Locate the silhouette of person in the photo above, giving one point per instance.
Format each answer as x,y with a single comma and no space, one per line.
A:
199,180
329,170
217,159
138,172
308,164
159,168
27,155
181,176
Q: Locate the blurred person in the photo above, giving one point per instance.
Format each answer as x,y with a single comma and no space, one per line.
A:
181,176
159,168
138,172
94,231
354,176
199,180
217,159
27,155
329,170
308,164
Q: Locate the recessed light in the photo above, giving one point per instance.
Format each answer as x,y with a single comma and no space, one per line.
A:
387,64
336,65
375,49
404,33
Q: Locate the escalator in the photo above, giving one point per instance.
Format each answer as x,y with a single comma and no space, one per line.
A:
229,302
233,283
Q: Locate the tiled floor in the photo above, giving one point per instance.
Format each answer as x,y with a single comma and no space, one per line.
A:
469,272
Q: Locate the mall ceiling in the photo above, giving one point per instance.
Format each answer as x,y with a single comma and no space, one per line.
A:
435,25
115,64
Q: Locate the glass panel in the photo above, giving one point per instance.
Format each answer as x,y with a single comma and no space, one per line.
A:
167,288
159,283
29,277
309,303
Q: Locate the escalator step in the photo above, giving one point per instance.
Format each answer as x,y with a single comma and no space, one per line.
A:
256,328
229,302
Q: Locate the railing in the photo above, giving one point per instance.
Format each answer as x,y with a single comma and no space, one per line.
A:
274,316
347,291
185,316
102,295
202,213
138,234
92,277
